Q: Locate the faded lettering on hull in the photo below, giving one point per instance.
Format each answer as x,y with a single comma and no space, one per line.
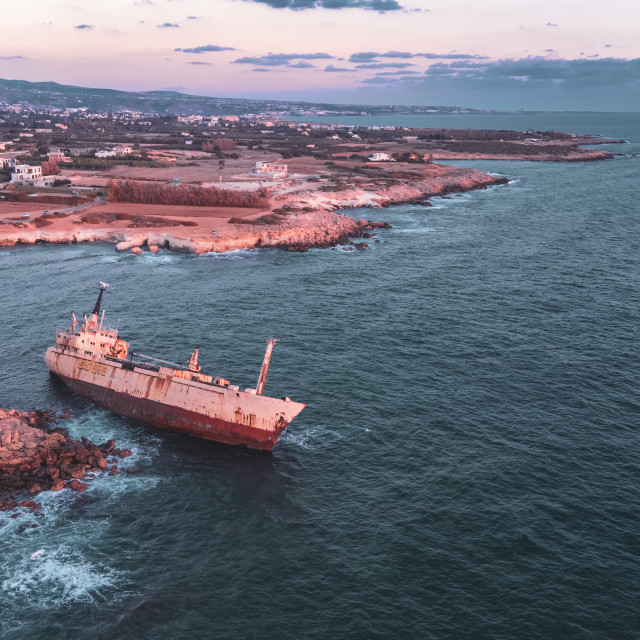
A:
93,367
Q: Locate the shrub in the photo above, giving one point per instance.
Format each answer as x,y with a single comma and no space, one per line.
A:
189,195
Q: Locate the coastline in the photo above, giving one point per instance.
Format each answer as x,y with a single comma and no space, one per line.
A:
307,218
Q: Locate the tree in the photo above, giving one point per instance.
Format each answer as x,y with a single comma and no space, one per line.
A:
50,168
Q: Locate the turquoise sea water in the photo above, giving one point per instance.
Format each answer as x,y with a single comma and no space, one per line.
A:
467,465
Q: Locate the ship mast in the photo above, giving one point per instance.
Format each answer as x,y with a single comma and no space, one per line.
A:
93,319
265,365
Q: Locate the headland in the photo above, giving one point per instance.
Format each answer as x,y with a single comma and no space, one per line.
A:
241,186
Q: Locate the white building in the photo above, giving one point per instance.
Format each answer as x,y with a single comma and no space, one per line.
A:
380,157
105,154
270,169
31,175
122,150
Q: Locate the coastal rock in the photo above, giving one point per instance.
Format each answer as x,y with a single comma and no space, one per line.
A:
136,251
36,456
76,485
134,470
132,242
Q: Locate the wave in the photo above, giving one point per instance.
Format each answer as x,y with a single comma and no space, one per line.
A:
59,575
233,254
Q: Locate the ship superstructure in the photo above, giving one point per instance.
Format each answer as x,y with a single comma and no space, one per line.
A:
96,363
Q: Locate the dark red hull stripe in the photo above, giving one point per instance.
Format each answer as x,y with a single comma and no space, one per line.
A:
176,419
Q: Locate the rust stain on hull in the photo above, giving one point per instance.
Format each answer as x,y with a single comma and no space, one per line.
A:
175,419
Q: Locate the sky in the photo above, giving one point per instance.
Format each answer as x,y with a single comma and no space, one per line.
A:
489,54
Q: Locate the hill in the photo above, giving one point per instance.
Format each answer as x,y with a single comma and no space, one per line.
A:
51,95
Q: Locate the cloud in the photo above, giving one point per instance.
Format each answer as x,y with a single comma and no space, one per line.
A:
168,25
12,58
261,70
331,69
385,65
379,80
550,24
83,26
396,73
373,5
205,47
193,18
397,54
364,56
372,56
302,64
282,59
451,56
534,83
538,71
199,62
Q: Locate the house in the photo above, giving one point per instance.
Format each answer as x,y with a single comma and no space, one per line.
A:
58,156
26,173
105,154
270,169
4,145
4,162
380,157
31,175
122,150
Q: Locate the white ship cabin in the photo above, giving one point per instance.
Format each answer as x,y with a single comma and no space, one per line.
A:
93,337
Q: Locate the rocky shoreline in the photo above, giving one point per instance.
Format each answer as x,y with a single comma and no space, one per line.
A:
312,221
36,455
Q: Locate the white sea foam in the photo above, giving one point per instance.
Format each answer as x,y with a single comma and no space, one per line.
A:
312,437
235,254
59,576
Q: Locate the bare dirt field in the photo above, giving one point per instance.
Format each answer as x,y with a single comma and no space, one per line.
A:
176,211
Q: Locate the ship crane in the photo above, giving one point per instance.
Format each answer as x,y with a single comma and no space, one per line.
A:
265,365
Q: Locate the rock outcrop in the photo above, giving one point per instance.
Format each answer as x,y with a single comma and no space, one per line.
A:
35,456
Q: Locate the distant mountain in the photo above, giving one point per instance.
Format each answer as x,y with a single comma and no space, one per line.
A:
51,95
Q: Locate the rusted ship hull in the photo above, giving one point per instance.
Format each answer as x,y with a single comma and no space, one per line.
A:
173,418
154,396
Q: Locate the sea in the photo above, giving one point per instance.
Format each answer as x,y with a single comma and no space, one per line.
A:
468,465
